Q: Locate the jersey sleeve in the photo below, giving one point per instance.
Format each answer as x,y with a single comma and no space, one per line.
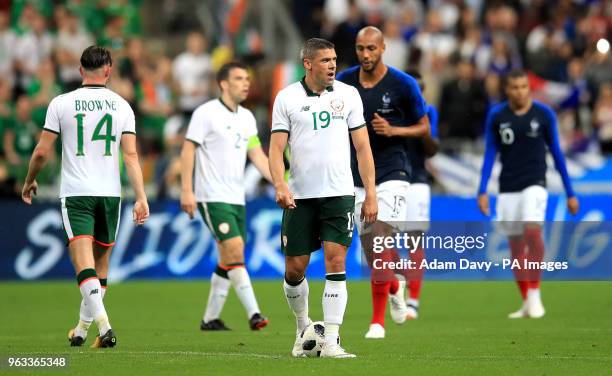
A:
490,152
415,103
198,125
355,119
52,123
280,117
552,140
432,113
129,126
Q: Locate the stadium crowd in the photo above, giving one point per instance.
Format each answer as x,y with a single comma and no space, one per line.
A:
462,48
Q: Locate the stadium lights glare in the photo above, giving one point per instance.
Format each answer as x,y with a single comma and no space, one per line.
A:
603,46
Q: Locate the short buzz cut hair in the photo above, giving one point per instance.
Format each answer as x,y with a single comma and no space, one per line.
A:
95,57
224,71
514,73
313,45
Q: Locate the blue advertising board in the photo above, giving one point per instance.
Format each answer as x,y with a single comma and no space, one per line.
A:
170,245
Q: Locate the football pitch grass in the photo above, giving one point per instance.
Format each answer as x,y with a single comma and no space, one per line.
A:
463,330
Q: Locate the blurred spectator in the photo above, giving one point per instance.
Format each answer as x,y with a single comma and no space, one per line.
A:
396,49
32,48
493,88
7,45
155,101
72,39
6,112
193,73
463,104
20,138
42,89
113,36
345,33
496,58
602,117
135,57
435,44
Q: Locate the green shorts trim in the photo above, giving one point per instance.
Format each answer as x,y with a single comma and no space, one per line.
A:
225,221
93,217
316,220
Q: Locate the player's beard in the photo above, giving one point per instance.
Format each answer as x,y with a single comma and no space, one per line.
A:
372,66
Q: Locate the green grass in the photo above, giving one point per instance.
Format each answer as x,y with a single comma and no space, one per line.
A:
462,331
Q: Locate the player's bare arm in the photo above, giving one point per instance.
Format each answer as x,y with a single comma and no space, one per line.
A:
37,162
260,161
188,201
278,142
382,127
134,172
369,210
430,145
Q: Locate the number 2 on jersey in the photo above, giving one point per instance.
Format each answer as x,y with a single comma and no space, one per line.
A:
108,137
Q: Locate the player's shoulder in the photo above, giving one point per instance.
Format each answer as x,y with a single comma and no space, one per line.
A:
345,89
245,112
210,105
401,75
543,108
290,93
499,108
60,99
348,74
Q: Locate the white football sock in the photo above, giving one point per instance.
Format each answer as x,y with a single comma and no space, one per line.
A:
335,297
297,298
85,318
219,288
242,284
91,291
413,302
534,294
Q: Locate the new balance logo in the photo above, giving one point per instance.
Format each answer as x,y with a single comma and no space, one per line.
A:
94,291
292,296
305,108
331,295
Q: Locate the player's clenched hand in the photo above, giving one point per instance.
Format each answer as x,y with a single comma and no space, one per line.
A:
140,213
28,189
188,203
483,204
573,205
284,198
369,209
382,126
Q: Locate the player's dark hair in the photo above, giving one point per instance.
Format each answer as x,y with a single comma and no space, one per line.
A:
417,76
514,73
313,45
95,57
224,71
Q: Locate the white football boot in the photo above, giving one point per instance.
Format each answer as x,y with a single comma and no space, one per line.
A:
333,350
397,304
376,331
297,350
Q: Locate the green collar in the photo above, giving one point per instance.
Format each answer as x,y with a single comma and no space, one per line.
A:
309,92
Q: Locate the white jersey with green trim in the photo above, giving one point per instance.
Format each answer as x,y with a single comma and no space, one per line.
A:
90,121
223,137
318,128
